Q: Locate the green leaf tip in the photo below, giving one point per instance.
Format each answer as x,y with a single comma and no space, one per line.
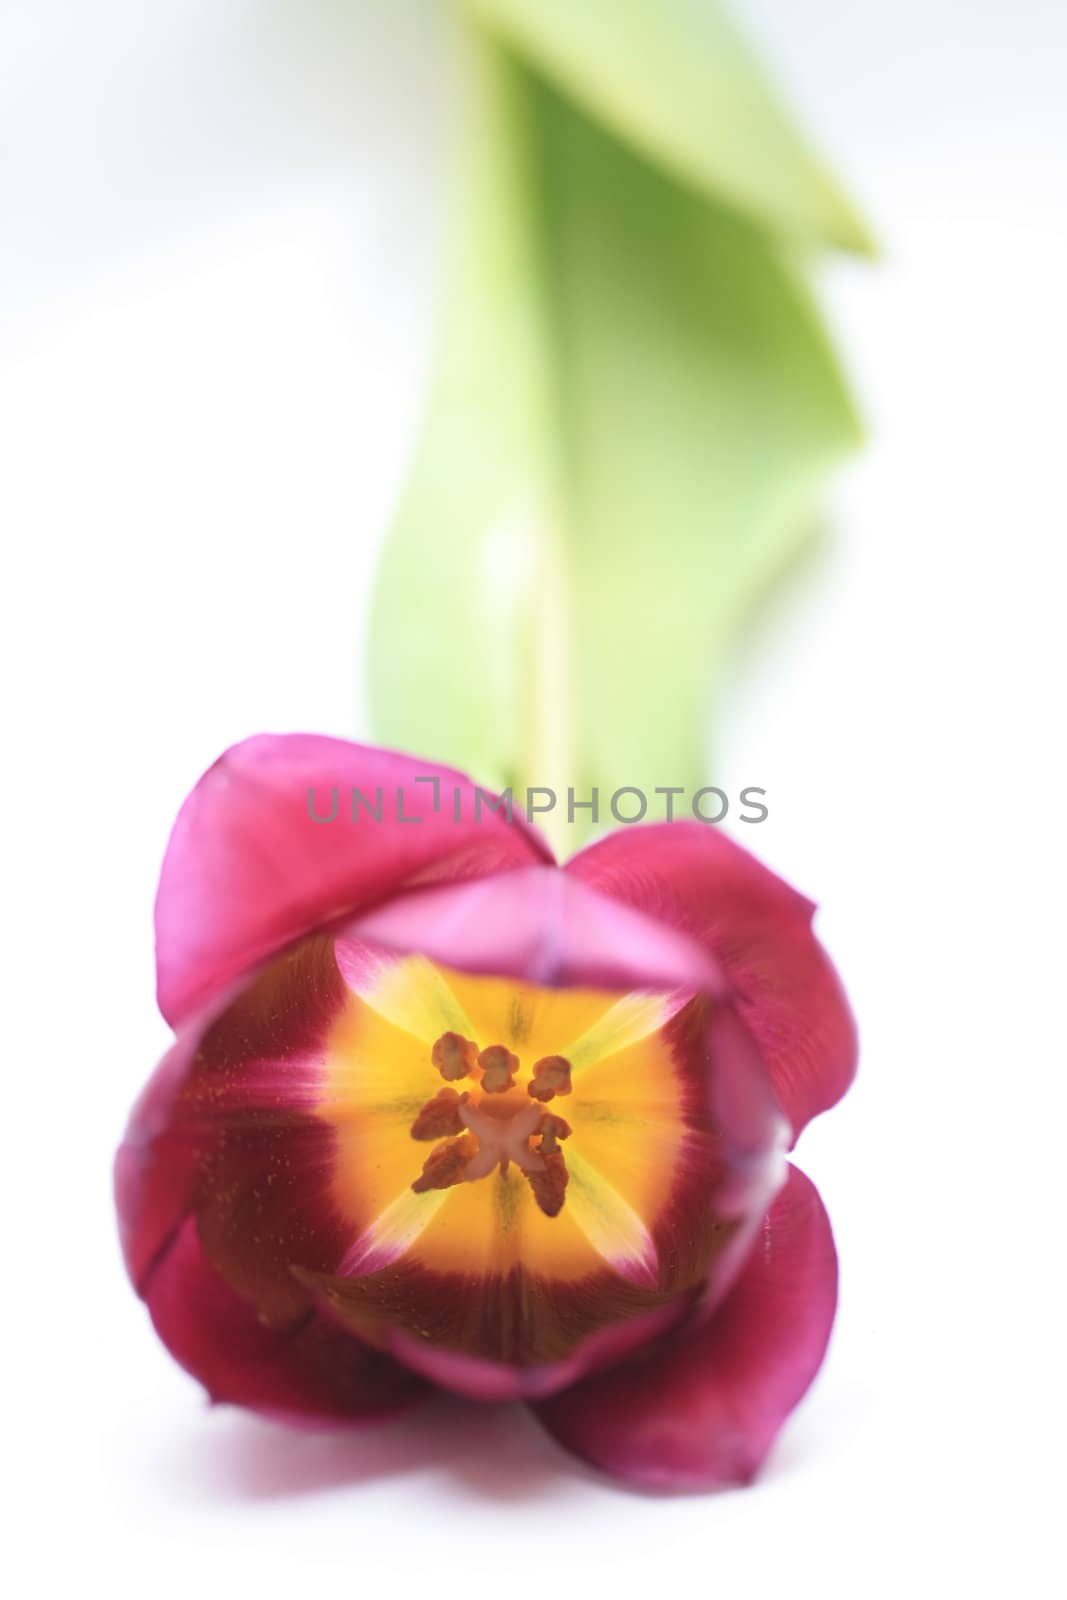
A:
676,80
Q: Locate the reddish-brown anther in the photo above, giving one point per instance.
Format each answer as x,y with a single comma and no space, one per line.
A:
551,1076
454,1056
553,1128
439,1117
550,1185
499,1067
446,1164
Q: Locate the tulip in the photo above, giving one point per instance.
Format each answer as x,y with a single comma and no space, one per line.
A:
440,1112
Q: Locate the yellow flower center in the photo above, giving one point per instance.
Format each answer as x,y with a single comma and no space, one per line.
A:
498,1188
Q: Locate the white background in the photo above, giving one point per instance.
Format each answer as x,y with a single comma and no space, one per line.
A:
219,225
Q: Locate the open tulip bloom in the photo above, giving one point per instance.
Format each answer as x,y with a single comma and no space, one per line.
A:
440,1112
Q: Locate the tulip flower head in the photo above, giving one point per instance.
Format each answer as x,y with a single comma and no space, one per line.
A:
442,1112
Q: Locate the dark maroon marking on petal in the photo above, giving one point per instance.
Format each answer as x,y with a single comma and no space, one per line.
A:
236,1143
264,1053
264,1204
308,1369
518,1319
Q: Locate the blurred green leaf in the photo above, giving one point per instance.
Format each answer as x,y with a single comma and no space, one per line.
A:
675,79
473,583
635,410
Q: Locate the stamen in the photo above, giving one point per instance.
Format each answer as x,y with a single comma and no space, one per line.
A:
499,1067
489,1135
549,1186
553,1129
454,1056
446,1164
439,1116
551,1076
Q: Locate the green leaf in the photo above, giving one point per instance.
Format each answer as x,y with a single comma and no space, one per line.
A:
635,411
472,587
674,78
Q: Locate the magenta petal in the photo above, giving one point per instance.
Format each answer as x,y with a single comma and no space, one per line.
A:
490,1380
156,1168
248,868
701,1409
694,878
311,1369
226,1130
539,925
